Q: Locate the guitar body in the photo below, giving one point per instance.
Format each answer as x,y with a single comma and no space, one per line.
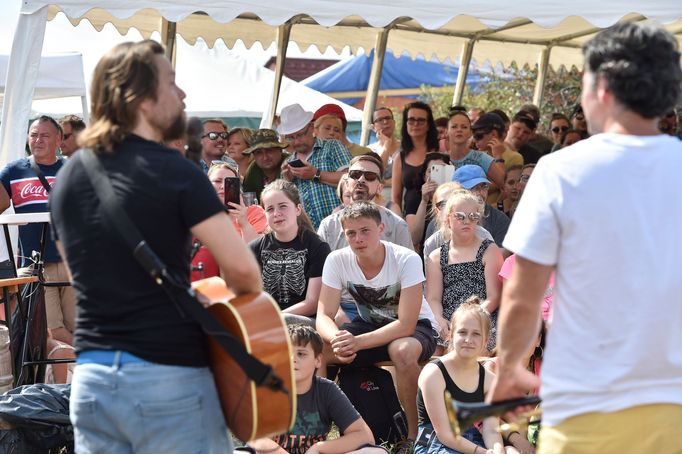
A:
255,320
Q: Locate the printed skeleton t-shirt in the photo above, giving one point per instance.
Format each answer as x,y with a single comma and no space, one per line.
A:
377,298
287,266
316,409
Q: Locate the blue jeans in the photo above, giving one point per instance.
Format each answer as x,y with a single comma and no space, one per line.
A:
134,406
435,446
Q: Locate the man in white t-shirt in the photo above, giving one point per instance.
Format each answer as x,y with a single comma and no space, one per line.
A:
599,214
385,281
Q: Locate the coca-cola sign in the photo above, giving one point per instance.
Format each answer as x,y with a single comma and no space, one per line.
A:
29,191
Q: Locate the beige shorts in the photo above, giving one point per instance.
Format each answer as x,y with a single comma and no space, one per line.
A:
60,302
641,429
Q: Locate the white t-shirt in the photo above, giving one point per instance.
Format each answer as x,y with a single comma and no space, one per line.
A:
604,212
377,298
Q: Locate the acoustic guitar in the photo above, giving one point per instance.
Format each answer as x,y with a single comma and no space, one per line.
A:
255,320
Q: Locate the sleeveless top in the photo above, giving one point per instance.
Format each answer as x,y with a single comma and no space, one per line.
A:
412,186
461,281
454,390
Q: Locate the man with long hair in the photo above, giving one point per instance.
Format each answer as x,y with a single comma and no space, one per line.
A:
141,383
599,214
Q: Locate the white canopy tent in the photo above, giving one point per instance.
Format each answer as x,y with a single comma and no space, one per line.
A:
548,33
218,84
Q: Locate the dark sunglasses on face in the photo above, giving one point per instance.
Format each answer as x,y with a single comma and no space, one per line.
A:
478,135
369,176
215,135
556,129
461,216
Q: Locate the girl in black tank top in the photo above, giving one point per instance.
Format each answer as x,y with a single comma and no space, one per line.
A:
460,373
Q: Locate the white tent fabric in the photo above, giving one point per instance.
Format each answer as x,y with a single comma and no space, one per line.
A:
507,31
228,86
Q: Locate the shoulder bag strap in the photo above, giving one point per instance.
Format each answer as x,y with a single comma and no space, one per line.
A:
262,374
39,173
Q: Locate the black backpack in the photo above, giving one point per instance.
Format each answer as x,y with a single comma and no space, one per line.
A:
372,393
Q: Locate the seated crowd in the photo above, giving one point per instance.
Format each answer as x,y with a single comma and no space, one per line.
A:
390,254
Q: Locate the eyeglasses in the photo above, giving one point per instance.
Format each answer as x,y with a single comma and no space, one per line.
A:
416,121
67,135
299,136
461,216
369,176
481,134
383,119
556,129
215,135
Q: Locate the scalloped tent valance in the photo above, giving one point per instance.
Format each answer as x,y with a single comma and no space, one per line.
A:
493,30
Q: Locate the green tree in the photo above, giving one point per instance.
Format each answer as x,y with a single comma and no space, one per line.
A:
509,90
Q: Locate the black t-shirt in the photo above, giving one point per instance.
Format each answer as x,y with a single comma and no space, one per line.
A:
119,306
286,267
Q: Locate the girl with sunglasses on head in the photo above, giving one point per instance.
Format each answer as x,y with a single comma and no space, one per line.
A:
419,136
291,255
464,265
249,221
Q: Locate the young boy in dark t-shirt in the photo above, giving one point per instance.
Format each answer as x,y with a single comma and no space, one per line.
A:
319,403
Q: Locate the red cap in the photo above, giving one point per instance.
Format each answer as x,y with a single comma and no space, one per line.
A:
331,109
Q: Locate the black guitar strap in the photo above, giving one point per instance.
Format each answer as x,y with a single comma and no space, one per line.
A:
39,173
262,374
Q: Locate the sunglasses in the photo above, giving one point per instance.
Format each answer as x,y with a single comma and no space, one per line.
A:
416,121
461,216
478,135
369,176
215,135
556,129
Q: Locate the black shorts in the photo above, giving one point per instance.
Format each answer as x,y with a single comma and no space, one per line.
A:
422,332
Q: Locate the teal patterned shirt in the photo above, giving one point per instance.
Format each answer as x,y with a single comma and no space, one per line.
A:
319,199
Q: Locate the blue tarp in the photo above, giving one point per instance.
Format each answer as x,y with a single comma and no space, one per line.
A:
353,75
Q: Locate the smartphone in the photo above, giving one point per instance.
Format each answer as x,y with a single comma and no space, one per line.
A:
232,186
296,163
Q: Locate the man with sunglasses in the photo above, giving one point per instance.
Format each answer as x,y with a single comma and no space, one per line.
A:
598,214
213,142
558,125
71,126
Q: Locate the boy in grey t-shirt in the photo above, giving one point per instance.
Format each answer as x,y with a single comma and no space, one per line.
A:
319,402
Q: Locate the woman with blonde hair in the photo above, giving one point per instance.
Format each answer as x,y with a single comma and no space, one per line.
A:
238,140
464,265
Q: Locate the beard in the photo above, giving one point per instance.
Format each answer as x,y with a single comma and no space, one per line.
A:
176,129
362,196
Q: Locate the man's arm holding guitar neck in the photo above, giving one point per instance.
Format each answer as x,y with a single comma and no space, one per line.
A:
236,261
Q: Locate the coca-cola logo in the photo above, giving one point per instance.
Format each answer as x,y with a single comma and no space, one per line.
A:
33,191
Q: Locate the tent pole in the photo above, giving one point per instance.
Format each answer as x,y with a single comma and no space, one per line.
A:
86,111
374,82
22,75
168,31
543,67
283,34
464,61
